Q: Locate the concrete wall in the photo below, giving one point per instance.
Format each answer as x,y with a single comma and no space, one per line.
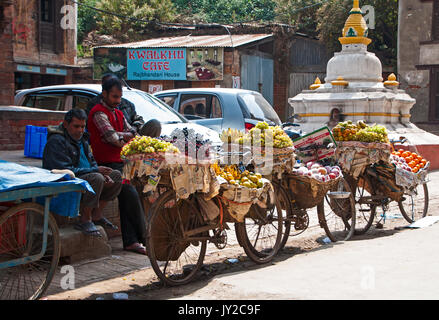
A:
415,18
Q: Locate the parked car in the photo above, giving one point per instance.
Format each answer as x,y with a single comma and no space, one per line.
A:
65,97
221,108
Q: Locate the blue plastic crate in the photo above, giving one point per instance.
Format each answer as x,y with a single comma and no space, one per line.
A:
35,141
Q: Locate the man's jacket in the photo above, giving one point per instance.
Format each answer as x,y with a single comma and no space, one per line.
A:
62,152
127,107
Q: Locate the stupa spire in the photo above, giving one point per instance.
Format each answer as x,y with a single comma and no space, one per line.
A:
355,29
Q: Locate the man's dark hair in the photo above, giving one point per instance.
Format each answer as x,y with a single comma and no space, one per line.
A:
75,113
108,76
110,83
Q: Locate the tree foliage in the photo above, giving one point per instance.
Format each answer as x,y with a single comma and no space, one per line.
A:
227,11
146,10
86,19
302,14
333,14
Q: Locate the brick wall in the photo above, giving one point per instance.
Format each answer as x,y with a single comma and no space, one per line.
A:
6,55
26,43
13,121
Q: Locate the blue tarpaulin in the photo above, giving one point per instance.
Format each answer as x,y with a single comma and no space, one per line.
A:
14,176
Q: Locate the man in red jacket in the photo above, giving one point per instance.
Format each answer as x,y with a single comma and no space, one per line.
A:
109,131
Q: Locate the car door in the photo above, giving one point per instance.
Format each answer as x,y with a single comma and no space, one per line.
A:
48,99
203,109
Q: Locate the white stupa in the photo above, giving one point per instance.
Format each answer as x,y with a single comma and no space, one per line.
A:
354,88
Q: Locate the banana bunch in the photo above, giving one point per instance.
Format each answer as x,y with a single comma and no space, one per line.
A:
231,135
233,176
145,144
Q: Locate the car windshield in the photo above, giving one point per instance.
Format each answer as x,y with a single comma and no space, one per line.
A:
152,108
259,108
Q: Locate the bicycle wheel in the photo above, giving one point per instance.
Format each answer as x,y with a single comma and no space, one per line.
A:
414,205
174,257
285,204
21,235
337,215
261,232
364,191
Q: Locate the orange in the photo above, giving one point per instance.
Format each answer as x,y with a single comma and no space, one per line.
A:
405,154
422,165
424,161
408,159
401,150
415,169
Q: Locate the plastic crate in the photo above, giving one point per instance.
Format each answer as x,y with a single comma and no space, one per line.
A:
13,231
35,141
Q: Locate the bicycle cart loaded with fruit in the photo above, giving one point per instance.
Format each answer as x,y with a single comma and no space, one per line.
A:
379,175
192,198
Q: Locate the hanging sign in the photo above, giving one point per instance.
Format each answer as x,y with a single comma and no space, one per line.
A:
156,64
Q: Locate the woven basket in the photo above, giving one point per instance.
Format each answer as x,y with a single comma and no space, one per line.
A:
309,192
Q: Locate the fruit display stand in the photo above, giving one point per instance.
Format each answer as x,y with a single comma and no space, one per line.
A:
354,156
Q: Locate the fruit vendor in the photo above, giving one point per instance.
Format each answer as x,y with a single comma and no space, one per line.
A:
67,148
128,108
109,131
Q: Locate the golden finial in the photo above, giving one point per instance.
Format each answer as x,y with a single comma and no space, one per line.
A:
391,81
317,83
340,82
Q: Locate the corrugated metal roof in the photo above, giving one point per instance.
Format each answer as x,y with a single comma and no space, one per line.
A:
194,41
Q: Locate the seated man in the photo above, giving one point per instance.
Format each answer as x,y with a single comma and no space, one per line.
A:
67,148
109,131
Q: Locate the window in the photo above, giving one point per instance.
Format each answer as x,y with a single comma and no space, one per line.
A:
46,11
169,100
46,101
255,106
202,106
80,101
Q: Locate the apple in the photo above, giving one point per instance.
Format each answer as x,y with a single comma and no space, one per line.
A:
332,176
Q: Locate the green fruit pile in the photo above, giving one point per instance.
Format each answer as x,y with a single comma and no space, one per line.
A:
347,131
144,144
258,134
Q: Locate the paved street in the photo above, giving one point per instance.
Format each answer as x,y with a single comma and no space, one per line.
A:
389,263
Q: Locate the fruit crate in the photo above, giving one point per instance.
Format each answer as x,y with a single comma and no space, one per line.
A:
35,141
13,231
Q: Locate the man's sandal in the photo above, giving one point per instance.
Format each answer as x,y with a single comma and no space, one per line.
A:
106,224
88,228
137,248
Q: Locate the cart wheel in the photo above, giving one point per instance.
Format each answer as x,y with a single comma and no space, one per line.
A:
21,235
285,204
174,258
261,232
337,213
414,206
365,210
